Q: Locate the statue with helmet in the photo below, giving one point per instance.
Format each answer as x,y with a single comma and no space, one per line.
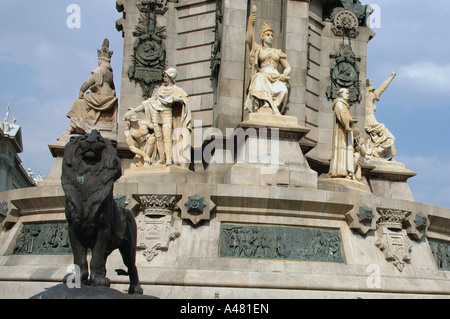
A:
169,113
269,89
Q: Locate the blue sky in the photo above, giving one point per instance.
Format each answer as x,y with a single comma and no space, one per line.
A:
43,63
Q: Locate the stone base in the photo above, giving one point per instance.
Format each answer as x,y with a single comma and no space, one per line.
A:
389,169
155,174
271,175
271,154
62,291
342,185
389,178
284,123
106,129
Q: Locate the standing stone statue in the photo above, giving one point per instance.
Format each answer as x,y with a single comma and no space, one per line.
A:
101,103
381,141
268,89
168,110
140,138
343,164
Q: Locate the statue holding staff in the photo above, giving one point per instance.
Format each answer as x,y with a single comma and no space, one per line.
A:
269,88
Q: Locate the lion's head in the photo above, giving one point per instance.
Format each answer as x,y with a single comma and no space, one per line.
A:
90,167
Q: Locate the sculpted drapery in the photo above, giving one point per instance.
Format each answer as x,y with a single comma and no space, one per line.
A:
100,104
169,113
381,140
342,163
268,88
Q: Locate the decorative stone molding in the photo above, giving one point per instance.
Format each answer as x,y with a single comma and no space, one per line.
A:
416,225
155,224
196,208
157,205
334,8
345,74
392,239
362,220
345,23
395,245
392,218
149,56
196,204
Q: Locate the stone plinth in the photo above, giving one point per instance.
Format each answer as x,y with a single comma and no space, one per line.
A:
342,184
389,179
155,173
62,291
57,150
271,154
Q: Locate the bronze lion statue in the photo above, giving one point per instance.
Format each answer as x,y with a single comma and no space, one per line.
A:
89,169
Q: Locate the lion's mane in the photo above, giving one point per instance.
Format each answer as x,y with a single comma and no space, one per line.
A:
89,169
88,182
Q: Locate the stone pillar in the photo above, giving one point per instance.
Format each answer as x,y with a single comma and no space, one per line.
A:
231,86
296,44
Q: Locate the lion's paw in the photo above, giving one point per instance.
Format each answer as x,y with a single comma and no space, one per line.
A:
135,289
100,282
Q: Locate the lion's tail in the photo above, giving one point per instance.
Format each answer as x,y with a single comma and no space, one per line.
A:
121,272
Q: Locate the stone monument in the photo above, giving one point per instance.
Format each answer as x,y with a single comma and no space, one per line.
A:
268,90
169,113
96,109
254,213
381,141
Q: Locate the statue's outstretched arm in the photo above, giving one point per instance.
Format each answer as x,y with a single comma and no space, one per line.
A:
250,29
386,83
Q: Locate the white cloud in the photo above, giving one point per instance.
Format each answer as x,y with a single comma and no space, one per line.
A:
427,75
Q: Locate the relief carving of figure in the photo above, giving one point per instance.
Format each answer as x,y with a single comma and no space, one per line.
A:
381,141
100,104
268,88
169,112
343,153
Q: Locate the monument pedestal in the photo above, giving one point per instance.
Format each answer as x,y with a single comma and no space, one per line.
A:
342,184
155,173
271,154
62,291
388,179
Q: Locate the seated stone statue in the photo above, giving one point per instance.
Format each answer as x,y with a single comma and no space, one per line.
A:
268,88
140,138
381,140
168,110
100,104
